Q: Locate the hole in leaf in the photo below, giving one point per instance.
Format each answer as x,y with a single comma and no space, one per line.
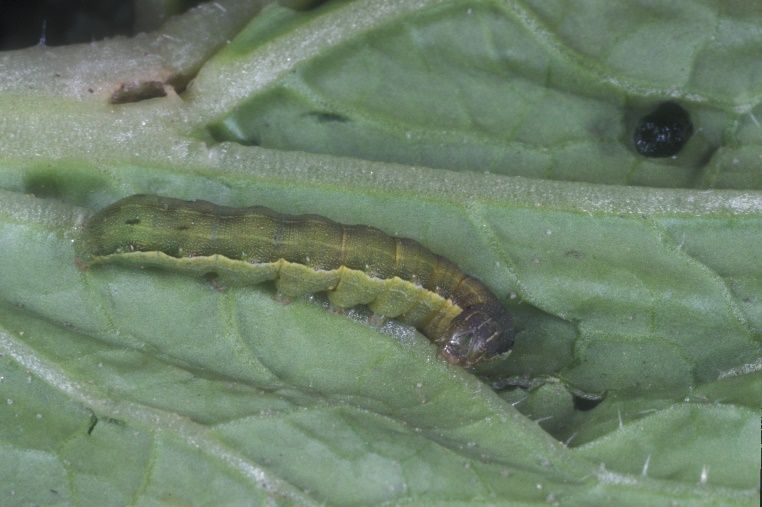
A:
663,132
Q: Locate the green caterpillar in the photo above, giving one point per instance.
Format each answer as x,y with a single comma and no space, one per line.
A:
354,264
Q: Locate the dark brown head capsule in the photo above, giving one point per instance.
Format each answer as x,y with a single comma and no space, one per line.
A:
480,332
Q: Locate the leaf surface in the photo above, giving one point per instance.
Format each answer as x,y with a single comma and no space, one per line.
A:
374,113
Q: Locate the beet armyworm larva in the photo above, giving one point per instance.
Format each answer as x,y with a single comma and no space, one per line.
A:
354,264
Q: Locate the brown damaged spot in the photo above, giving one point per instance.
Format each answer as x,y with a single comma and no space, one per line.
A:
574,254
137,91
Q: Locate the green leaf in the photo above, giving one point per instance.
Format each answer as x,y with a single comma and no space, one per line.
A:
635,376
539,89
684,442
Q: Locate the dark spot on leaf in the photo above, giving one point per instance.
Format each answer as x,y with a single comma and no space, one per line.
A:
132,221
584,404
43,184
93,422
179,82
302,5
326,117
574,254
61,181
663,132
182,227
214,280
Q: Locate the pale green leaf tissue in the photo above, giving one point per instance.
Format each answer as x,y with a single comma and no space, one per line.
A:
496,133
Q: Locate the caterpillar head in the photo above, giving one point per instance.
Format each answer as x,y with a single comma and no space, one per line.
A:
477,334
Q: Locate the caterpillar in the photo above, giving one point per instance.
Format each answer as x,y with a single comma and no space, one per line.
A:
303,254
